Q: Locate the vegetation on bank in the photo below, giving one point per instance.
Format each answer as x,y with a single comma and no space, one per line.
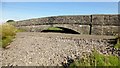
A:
96,59
7,34
117,45
54,28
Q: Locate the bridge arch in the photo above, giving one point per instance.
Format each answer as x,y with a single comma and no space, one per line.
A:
81,29
60,30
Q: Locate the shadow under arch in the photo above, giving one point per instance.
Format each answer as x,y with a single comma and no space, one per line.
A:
63,30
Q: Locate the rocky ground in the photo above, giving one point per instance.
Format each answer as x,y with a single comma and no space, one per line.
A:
50,49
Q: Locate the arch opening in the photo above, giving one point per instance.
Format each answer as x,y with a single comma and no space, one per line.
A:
60,30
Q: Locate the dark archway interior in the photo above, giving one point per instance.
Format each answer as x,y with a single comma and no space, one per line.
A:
63,30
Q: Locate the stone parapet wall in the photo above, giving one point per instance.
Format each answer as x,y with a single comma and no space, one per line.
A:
96,24
78,19
85,20
105,30
105,20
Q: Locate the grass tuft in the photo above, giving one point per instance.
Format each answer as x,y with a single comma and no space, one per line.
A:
118,44
8,30
97,59
7,34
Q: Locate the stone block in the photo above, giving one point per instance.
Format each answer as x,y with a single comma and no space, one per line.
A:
105,30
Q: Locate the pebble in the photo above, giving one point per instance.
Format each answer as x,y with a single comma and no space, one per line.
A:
48,50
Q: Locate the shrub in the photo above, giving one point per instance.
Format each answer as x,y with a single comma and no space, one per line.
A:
7,33
8,30
10,21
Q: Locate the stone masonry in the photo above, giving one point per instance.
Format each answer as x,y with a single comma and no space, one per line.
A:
84,24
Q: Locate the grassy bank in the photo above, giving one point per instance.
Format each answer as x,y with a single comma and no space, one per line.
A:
7,33
54,28
96,59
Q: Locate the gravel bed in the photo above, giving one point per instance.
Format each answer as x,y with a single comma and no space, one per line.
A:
48,49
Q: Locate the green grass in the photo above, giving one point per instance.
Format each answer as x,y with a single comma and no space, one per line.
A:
54,28
118,44
102,60
7,34
20,30
96,59
7,40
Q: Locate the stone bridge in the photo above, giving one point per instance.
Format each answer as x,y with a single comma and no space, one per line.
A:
84,24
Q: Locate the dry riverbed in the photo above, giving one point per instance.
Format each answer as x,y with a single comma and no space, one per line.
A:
50,49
